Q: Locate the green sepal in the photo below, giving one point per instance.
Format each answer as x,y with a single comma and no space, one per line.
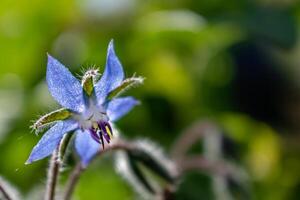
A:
56,115
139,174
155,166
88,80
63,146
125,85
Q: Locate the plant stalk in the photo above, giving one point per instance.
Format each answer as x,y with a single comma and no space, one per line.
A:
52,176
4,193
77,171
55,164
74,177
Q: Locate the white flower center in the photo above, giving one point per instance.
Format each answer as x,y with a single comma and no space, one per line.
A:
90,116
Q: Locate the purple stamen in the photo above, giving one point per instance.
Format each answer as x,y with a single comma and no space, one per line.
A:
94,135
107,138
102,126
102,142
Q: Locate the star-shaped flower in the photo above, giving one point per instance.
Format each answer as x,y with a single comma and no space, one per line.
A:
88,109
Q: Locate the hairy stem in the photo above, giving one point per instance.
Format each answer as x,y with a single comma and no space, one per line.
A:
118,145
189,137
77,171
55,164
74,177
52,176
4,193
201,163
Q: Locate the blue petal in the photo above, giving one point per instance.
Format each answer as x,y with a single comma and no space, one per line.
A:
86,146
63,86
50,140
112,77
119,107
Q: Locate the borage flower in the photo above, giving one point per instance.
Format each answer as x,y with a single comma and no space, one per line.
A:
88,109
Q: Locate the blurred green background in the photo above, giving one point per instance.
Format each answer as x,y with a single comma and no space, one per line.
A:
234,62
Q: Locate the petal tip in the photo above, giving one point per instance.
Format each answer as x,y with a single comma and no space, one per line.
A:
111,48
50,62
50,57
111,42
29,161
111,53
137,102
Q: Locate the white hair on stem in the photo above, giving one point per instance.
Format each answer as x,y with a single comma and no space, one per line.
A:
155,151
10,190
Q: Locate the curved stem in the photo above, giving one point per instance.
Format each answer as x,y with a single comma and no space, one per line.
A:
189,137
217,167
55,164
74,177
52,176
201,163
4,193
119,144
77,171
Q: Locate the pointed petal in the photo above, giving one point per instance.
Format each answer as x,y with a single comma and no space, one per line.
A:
119,107
63,86
112,77
86,146
50,140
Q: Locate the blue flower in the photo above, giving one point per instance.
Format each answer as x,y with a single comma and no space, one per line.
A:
89,112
